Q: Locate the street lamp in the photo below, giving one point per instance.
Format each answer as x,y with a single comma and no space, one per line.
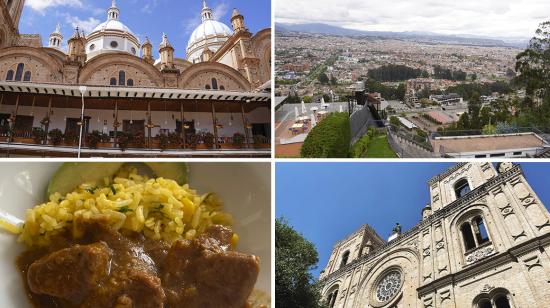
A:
81,123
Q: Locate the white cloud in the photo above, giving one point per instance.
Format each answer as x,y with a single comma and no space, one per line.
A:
41,5
83,24
219,11
500,18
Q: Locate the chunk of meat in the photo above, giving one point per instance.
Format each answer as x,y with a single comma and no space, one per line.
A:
70,273
128,288
222,235
201,273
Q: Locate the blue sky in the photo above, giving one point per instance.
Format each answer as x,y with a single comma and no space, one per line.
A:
144,17
328,201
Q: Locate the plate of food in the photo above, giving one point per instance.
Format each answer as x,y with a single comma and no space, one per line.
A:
114,234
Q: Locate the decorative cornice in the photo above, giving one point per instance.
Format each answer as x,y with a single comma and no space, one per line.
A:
449,209
446,173
485,266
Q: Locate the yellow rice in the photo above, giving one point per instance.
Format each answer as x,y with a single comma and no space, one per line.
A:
160,208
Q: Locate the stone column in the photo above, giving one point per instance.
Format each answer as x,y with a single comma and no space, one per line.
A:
14,119
115,124
149,125
215,125
49,114
182,116
246,134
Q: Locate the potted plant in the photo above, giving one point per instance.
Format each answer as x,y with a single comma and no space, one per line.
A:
209,140
94,138
139,140
123,141
38,135
71,138
163,142
259,140
238,140
56,136
175,140
192,141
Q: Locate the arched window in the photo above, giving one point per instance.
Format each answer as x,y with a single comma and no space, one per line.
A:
121,78
19,72
113,81
222,88
481,232
485,304
474,233
345,257
331,299
130,82
207,87
214,84
469,242
502,302
461,188
9,76
27,76
497,298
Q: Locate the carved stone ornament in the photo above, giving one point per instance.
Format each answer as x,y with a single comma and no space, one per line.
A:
480,254
389,286
426,252
458,173
487,288
507,211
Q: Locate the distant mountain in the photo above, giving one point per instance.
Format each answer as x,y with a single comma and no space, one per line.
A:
426,37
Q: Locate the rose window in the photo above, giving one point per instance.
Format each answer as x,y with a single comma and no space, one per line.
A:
389,286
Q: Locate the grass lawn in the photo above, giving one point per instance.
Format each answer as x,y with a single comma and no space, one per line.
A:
378,147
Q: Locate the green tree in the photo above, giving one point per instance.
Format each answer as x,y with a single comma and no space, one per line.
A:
400,92
489,129
333,81
463,122
474,108
533,68
307,99
394,121
295,256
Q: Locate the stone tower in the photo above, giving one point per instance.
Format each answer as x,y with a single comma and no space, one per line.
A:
483,242
56,38
147,51
77,51
237,21
166,54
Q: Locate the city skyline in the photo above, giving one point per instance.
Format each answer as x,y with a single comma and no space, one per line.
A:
488,18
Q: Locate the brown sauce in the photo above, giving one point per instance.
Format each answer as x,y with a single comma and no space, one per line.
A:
107,268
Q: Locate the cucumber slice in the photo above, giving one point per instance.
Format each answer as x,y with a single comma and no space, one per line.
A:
173,171
71,175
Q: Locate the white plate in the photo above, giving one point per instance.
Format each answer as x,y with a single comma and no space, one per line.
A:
245,189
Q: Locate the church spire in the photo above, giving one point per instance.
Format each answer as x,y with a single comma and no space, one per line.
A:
56,38
206,11
113,12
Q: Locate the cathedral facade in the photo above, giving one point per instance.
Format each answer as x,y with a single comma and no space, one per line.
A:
483,242
214,102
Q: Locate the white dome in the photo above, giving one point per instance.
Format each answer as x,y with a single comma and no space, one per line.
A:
210,34
207,29
113,25
112,36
